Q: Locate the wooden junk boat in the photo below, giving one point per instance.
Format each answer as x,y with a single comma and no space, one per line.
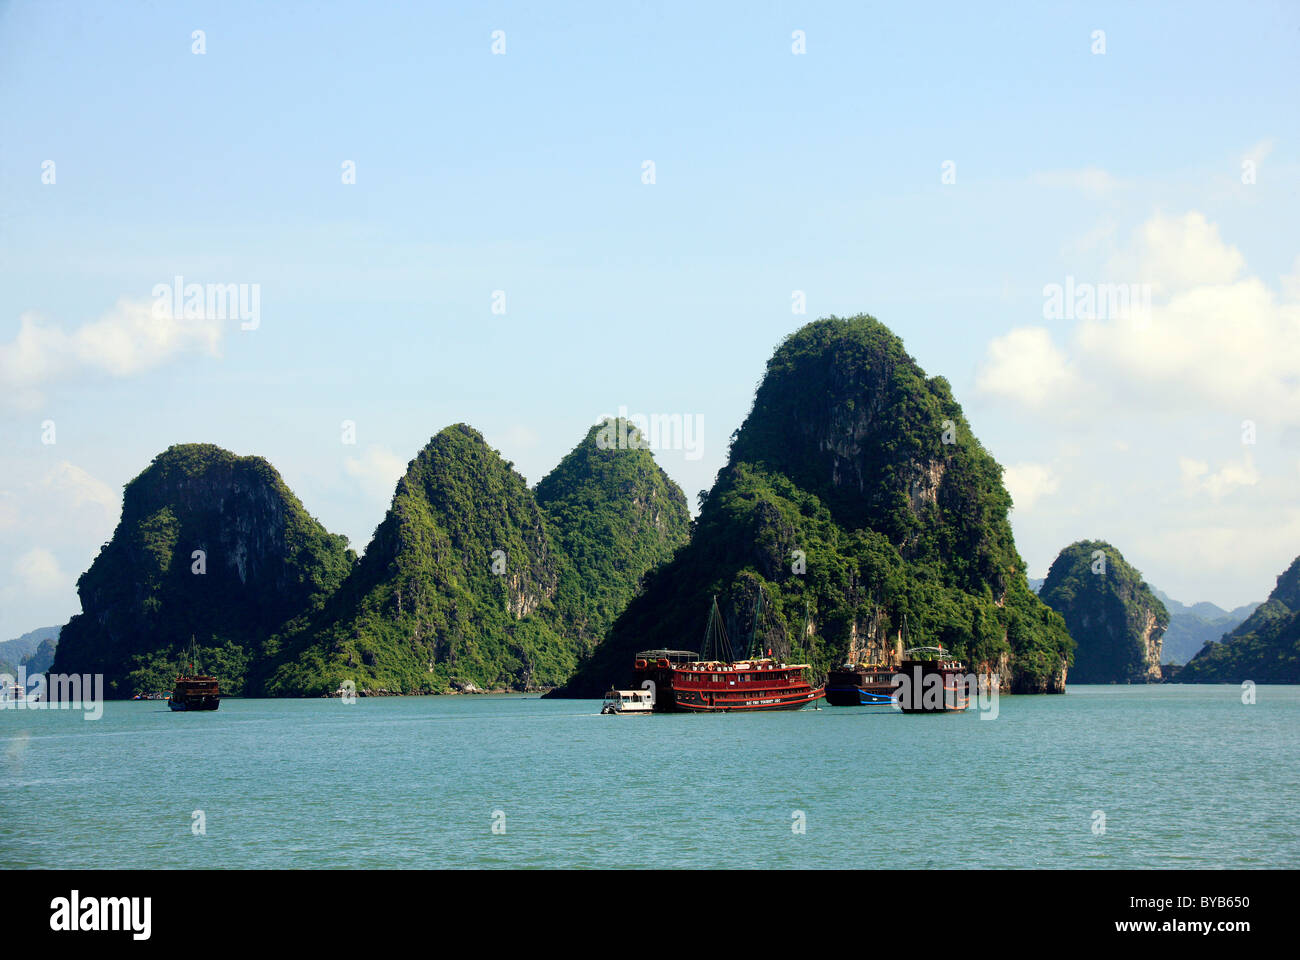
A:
935,682
712,682
867,677
861,685
195,691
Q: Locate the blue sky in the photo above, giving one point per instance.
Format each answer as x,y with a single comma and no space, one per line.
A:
774,172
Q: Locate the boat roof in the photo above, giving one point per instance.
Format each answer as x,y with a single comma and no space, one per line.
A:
669,654
706,665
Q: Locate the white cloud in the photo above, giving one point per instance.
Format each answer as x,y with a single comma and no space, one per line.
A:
1029,482
1291,281
1025,365
1156,404
376,471
1218,340
1178,253
1197,477
65,506
37,571
77,488
51,522
127,340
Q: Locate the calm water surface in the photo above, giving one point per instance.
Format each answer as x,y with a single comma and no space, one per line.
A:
1185,776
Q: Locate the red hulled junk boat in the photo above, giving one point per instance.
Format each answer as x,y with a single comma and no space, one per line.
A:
712,681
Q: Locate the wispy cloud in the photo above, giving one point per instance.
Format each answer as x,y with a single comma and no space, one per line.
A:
128,340
376,471
1030,482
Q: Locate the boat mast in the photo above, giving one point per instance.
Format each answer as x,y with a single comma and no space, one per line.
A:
803,639
753,633
715,636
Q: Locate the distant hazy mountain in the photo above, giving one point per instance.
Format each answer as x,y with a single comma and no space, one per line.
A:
14,652
1036,583
1192,627
43,658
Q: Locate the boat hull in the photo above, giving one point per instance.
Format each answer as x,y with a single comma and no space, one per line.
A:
690,702
855,696
932,687
201,703
869,687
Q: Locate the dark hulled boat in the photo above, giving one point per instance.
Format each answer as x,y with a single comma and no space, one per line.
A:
931,681
686,682
858,683
195,691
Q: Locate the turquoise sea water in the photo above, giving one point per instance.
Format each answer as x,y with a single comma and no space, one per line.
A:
1185,777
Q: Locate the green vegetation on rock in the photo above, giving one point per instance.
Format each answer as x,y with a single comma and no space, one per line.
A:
1114,617
473,579
264,561
1265,648
854,484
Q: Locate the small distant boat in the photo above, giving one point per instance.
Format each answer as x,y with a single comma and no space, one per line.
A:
193,690
628,703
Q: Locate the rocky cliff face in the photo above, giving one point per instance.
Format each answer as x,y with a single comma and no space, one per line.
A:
473,582
1265,648
854,489
1117,622
210,545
